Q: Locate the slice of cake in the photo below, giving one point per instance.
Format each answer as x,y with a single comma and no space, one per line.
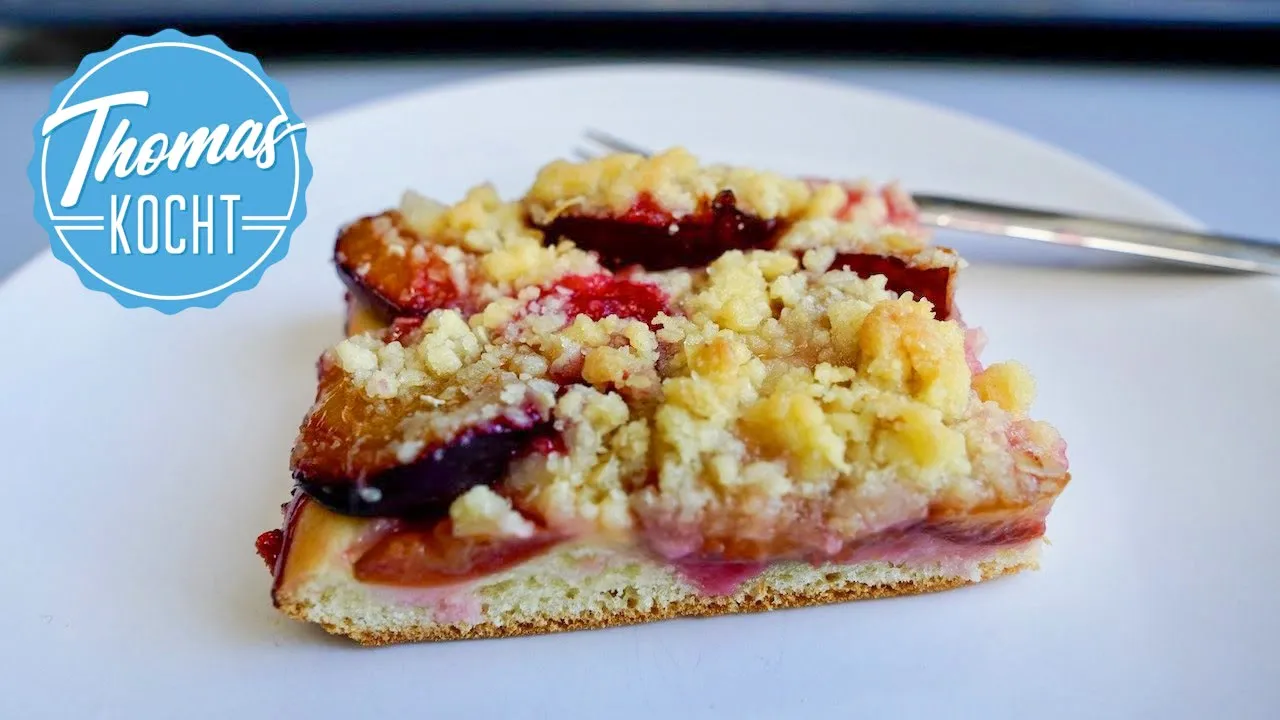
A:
649,389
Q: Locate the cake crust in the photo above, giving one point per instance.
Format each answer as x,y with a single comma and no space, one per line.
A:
755,599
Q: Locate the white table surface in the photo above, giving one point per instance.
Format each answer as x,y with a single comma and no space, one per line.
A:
1208,141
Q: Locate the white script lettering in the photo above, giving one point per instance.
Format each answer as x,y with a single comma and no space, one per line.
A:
99,107
123,156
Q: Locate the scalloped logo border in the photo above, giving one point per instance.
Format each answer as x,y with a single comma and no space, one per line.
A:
168,304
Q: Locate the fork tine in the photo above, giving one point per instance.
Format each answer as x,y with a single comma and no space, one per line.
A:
583,154
614,143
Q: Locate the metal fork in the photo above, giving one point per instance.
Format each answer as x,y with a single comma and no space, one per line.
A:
1208,250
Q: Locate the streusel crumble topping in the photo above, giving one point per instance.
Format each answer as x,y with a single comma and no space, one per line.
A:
673,179
786,396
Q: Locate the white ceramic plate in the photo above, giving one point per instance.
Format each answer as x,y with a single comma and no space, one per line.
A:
143,454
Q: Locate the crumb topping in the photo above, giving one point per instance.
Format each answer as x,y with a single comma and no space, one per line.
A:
1007,384
481,512
868,234
585,486
773,396
674,179
479,223
676,185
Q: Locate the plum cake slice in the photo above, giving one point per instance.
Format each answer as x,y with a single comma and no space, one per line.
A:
648,389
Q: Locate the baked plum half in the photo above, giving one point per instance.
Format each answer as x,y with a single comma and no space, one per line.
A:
428,483
601,295
432,555
392,272
648,235
367,448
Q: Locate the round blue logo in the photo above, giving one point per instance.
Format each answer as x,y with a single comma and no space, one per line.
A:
170,171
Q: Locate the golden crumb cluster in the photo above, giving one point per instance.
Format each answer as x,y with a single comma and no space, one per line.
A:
676,182
770,396
673,179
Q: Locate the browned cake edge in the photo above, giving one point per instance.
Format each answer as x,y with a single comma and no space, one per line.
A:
760,598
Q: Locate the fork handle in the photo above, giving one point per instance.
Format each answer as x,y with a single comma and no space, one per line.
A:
1183,246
